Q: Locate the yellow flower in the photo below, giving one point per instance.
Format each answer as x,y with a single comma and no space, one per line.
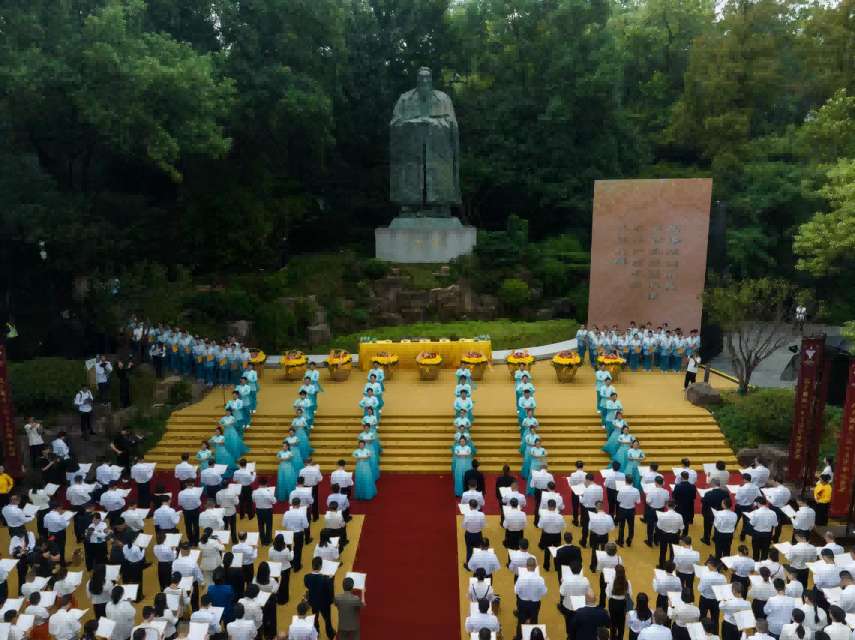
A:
520,357
384,358
566,358
257,356
473,357
429,358
611,359
294,359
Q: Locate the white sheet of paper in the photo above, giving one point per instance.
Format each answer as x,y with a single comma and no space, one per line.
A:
47,598
702,492
25,622
186,584
608,574
288,536
696,631
833,595
116,471
745,619
77,613
234,488
11,604
700,569
220,469
30,510
173,601
789,511
139,513
237,559
197,631
620,484
194,555
577,602
723,592
123,492
472,581
648,487
131,591
223,535
51,488
577,489
105,627
728,561
275,568
553,551
112,571
218,613
709,467
464,509
309,619
142,540
252,538
172,539
38,583
504,491
659,574
330,567
523,571
7,564
733,487
755,580
783,547
358,579
675,598
262,598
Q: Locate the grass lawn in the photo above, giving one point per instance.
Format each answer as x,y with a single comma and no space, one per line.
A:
505,334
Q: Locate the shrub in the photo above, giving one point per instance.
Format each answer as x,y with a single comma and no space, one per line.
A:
376,269
514,293
180,392
45,385
765,416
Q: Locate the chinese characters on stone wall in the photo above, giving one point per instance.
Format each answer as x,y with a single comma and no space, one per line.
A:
650,256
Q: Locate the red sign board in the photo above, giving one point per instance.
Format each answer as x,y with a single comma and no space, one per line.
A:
844,464
11,459
803,420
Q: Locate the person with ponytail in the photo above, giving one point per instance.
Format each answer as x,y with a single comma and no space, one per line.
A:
211,554
619,596
796,630
280,553
267,583
639,618
684,614
99,590
815,617
708,603
760,592
737,604
162,613
838,629
122,612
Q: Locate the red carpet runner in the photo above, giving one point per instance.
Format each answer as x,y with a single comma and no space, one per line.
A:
408,548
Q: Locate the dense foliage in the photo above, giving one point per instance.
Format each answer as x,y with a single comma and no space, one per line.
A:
45,385
168,139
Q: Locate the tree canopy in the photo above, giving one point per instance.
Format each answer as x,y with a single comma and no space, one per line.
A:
223,136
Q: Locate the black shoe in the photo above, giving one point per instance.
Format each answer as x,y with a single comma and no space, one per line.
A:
619,543
705,541
648,543
629,543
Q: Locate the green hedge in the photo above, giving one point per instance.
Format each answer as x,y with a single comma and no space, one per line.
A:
45,385
765,416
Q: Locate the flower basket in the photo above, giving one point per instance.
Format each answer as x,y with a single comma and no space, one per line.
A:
477,364
614,364
566,364
257,357
429,364
339,365
388,361
515,358
293,365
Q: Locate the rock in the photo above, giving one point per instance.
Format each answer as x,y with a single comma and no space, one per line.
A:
318,334
702,394
543,314
389,318
413,314
240,328
773,456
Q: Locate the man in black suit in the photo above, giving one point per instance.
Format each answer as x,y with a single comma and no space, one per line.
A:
712,500
567,554
589,619
504,480
474,474
320,596
684,495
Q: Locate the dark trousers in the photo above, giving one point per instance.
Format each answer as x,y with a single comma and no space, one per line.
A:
651,518
723,543
690,378
760,543
326,613
512,539
548,540
164,574
746,525
568,618
36,453
527,613
472,540
538,494
597,543
574,502
709,607
666,545
687,581
245,502
86,423
316,504
231,525
59,538
191,526
821,513
729,631
79,523
265,525
782,520
626,518
298,551
708,525
248,574
611,494
194,597
144,494
283,595
586,519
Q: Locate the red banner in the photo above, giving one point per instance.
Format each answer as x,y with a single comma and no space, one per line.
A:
803,419
841,493
11,459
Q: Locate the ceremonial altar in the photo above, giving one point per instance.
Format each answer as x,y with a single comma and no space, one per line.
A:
450,350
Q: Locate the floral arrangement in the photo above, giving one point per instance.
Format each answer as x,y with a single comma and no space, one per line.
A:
429,358
257,356
473,357
384,358
294,359
566,358
520,357
610,358
338,357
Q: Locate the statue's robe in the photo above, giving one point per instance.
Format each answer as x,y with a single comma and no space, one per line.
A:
424,151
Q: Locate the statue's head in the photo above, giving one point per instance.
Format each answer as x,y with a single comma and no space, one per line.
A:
424,82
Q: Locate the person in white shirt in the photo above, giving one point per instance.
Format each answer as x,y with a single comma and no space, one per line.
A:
591,495
165,556
250,553
84,401
312,477
484,558
763,523
628,498
514,523
35,439
343,479
60,447
142,473
741,567
799,555
575,479
481,589
62,625
207,615
682,614
302,628
666,583
759,473
778,608
552,525
518,558
185,471
189,499
13,515
282,554
211,479
114,503
708,603
600,524
658,630
838,629
211,554
611,476
185,566
483,619
295,520
325,549
847,592
816,618
212,518
122,612
228,502
56,522
264,500
685,559
242,627
473,524
573,583
334,523
826,575
35,609
251,609
804,521
529,589
655,500
166,518
472,493
338,496
744,497
778,496
831,544
797,629
245,478
669,524
724,526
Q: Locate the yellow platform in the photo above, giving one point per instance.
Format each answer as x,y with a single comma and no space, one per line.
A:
417,432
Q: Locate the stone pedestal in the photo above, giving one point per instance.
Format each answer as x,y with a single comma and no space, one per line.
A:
423,240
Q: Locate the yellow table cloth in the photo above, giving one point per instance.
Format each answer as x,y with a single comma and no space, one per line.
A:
451,351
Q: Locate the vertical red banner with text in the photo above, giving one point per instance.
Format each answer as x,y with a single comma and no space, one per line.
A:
810,363
11,459
841,493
